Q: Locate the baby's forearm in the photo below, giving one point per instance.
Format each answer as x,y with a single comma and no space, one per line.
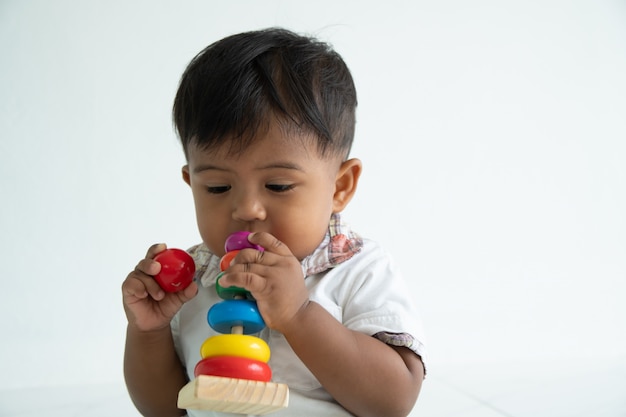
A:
153,372
362,373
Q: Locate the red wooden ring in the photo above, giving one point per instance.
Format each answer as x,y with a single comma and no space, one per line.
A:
234,367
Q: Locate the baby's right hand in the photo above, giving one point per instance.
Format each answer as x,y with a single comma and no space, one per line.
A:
147,306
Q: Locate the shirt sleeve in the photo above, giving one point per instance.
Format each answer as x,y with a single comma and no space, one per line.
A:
376,301
369,295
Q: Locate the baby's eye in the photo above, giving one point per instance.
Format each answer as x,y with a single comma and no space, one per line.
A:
218,189
279,188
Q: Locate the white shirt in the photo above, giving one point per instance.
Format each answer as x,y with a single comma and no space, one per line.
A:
364,291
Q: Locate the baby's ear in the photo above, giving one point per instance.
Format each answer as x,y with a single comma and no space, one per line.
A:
186,176
346,183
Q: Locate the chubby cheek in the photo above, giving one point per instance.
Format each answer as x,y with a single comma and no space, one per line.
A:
303,247
212,232
308,224
210,237
303,231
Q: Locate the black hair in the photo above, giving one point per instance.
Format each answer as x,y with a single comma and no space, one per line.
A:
233,88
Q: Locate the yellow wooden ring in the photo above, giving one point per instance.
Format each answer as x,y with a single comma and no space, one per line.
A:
241,345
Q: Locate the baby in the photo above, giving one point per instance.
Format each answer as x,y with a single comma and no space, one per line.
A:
266,120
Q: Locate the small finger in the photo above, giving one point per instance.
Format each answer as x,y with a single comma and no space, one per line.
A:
247,280
269,242
133,287
155,249
249,256
148,267
150,286
189,292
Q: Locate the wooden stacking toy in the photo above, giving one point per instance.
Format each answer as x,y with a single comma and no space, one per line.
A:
233,375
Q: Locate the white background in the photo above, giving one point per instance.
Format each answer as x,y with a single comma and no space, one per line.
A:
493,135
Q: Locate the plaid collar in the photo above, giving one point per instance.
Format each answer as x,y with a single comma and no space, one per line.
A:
339,245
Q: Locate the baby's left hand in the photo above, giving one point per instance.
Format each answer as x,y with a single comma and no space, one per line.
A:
274,277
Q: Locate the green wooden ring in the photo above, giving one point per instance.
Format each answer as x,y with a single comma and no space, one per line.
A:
231,293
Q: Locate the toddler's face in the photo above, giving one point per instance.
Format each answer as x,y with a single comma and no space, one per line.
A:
278,185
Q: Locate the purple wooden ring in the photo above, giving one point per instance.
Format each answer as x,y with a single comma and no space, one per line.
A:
238,241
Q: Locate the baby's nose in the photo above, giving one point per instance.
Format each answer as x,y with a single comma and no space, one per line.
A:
248,207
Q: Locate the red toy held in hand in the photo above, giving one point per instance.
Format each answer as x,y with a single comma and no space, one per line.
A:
177,270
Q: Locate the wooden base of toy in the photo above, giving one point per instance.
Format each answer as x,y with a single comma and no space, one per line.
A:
232,395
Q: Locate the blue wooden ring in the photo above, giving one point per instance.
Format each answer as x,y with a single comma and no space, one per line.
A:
223,316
